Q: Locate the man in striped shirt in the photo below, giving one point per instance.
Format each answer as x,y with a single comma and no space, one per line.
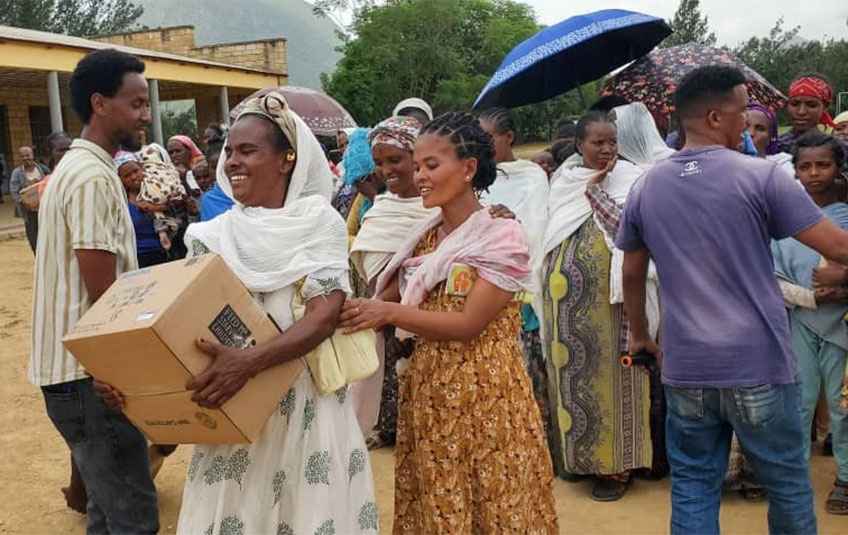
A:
87,240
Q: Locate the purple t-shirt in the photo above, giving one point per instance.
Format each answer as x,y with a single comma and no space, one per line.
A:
707,215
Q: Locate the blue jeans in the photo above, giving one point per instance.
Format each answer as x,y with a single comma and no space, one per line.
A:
767,421
111,456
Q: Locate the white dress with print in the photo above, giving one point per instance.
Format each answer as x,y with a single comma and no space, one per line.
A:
308,472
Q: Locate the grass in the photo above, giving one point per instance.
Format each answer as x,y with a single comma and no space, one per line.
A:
527,150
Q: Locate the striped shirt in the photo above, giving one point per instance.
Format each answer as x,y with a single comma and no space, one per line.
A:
84,207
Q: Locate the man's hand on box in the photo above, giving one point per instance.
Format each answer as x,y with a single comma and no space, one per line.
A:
228,373
111,396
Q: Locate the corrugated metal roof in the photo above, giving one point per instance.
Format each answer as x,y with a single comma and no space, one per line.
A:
55,39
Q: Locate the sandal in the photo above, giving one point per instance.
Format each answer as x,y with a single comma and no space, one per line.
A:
837,501
753,495
572,478
827,445
374,442
609,490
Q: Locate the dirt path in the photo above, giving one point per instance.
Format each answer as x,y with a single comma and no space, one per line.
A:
34,459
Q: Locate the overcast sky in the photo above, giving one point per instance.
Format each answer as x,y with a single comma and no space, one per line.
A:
731,20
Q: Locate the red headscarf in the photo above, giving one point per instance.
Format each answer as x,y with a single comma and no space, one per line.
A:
815,87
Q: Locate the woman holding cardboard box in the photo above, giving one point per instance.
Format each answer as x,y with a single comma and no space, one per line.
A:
308,472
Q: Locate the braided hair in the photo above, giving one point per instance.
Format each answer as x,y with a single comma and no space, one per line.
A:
471,141
501,119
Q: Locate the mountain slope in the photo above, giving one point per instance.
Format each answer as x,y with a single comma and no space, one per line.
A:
311,40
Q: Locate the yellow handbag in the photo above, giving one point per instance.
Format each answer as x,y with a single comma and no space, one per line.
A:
342,358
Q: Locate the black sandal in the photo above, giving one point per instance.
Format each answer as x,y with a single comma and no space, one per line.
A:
609,490
827,445
837,500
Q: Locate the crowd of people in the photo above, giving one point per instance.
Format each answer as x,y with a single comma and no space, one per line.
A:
504,293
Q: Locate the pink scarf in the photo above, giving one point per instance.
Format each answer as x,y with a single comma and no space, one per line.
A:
189,144
496,248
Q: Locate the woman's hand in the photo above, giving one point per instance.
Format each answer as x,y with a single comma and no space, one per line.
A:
228,373
361,314
602,174
150,207
499,211
164,240
368,186
110,395
830,275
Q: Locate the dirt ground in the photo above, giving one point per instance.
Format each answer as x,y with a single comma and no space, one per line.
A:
34,459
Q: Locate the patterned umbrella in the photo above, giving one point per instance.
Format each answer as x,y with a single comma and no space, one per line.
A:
653,78
575,51
321,113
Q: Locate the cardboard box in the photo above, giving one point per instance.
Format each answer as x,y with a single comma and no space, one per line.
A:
140,337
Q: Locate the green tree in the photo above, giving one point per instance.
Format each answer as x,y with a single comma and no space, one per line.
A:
80,18
176,122
781,56
689,26
397,52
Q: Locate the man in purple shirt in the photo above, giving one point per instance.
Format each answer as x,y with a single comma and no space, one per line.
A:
706,217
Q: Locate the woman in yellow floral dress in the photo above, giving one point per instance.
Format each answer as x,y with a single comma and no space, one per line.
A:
471,449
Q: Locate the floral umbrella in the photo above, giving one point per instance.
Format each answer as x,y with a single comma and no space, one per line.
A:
653,78
321,113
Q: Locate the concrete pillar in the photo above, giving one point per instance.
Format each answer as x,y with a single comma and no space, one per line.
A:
156,112
224,97
55,101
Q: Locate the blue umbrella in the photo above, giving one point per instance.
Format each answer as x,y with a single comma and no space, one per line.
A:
575,51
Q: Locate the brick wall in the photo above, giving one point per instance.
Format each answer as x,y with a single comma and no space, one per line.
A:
178,40
267,55
17,102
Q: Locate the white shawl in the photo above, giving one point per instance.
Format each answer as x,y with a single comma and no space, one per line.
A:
522,187
383,229
270,249
569,208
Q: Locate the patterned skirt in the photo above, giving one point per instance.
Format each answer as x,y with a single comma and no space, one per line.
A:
308,472
600,412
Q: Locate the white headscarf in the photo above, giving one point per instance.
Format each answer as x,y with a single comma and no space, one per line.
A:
416,103
639,141
270,249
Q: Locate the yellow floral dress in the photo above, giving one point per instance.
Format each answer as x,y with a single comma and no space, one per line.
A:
471,450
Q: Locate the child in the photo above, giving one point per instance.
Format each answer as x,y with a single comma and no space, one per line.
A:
818,302
545,160
160,188
132,176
